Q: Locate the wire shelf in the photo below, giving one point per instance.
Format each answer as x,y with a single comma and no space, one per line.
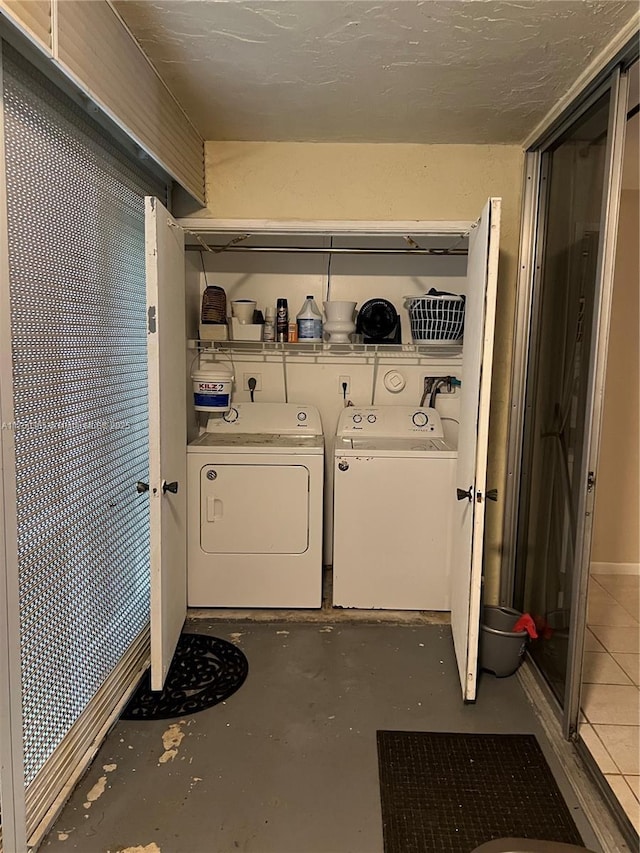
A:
440,349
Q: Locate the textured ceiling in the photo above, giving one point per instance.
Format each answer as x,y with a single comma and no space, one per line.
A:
440,71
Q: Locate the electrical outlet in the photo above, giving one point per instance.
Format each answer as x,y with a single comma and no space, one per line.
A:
248,376
342,380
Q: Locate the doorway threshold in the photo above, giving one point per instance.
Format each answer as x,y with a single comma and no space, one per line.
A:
585,788
322,615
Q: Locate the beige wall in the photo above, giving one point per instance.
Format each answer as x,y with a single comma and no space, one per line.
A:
387,182
616,537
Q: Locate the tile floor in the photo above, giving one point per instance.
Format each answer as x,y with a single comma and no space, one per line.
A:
611,685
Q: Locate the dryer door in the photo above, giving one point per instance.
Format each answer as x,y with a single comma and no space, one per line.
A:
254,509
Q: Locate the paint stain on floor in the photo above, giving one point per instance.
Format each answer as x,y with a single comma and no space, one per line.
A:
96,792
171,740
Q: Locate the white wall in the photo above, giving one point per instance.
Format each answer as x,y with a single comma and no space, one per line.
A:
305,181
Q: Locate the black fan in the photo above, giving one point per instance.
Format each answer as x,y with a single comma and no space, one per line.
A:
378,322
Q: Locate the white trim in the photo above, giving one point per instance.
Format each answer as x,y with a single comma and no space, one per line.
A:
53,785
614,568
321,227
588,76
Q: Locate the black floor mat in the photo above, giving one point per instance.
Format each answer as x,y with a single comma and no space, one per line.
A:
449,793
205,670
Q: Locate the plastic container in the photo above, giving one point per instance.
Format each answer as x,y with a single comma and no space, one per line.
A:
309,320
269,329
501,649
212,388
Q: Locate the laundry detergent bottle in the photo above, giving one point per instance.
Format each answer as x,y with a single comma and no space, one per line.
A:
309,321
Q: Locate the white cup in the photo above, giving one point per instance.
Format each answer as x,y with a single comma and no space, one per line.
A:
242,310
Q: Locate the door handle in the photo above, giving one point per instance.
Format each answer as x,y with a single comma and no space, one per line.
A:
214,509
141,487
170,487
491,495
462,495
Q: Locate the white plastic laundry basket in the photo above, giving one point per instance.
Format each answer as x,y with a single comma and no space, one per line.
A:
436,318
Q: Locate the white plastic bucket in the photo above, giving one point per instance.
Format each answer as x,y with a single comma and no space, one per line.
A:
212,388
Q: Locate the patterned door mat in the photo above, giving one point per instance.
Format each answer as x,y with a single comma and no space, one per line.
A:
204,671
449,793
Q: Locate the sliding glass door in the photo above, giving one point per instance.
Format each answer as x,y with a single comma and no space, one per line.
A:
579,196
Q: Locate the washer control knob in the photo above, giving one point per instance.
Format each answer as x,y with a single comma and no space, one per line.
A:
372,419
211,475
302,416
230,416
357,419
420,419
343,466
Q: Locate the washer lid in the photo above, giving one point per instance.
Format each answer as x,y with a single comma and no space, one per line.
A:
420,447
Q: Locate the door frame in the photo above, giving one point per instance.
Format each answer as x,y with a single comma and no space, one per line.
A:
533,227
12,789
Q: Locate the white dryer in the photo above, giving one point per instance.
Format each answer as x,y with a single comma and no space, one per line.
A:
255,481
394,494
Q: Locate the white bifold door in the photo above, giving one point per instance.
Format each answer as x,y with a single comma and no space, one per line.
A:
167,485
471,474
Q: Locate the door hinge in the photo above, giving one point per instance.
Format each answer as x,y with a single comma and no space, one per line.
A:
591,481
151,319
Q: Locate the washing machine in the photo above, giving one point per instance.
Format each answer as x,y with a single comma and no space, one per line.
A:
394,493
255,482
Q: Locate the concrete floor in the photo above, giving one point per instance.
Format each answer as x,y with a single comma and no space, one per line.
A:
288,764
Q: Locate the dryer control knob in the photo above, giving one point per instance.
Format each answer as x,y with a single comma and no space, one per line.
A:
357,419
420,419
372,419
302,416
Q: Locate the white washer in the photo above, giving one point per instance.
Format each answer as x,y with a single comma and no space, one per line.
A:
255,481
394,493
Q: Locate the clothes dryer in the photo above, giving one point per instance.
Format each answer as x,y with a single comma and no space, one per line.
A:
394,493
255,481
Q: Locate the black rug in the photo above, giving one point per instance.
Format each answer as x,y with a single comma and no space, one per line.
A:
204,671
449,793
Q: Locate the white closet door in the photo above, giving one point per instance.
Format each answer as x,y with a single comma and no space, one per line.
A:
468,524
167,434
